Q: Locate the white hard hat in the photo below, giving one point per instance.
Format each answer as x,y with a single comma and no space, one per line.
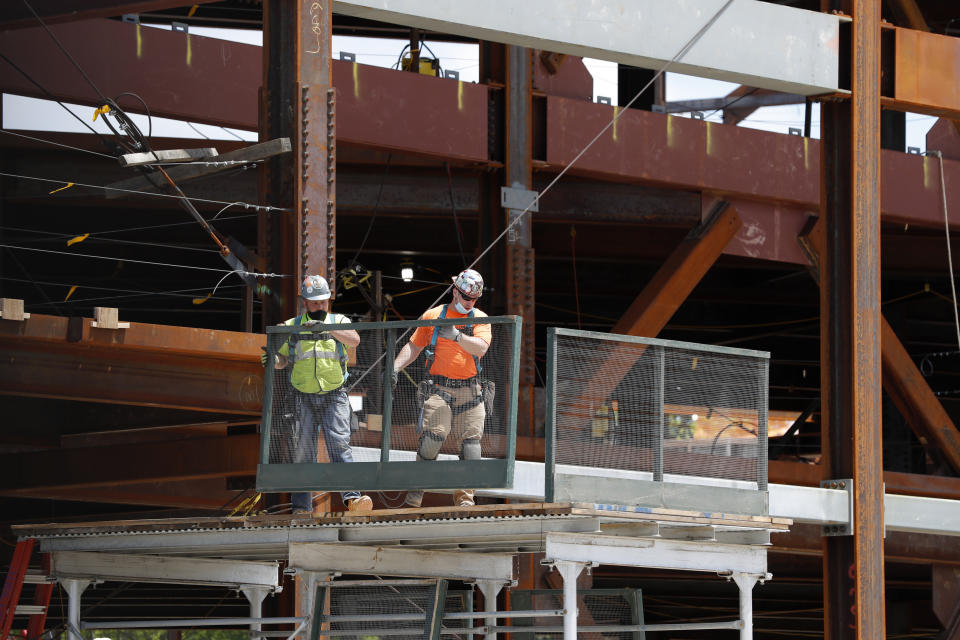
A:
470,283
315,288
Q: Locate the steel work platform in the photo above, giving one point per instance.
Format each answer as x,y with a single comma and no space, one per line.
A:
473,544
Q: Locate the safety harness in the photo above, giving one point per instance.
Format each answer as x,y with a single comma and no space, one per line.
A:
435,389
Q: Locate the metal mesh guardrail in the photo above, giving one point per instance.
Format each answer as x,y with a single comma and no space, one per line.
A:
599,608
310,417
641,421
400,609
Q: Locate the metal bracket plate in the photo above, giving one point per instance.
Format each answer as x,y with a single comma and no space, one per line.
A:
519,199
842,529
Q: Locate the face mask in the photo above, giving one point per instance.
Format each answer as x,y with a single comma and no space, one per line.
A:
317,315
460,308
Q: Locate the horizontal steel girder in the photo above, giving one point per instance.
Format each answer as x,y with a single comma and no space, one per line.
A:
173,570
16,15
656,553
155,365
178,75
402,562
408,113
754,43
736,162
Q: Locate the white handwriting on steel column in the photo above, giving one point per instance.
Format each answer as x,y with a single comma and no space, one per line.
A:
315,10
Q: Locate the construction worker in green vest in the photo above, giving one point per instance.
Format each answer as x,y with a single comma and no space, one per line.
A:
318,374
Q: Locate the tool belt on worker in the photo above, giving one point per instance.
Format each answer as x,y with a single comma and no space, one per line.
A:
427,388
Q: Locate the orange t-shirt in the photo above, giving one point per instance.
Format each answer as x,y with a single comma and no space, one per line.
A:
450,359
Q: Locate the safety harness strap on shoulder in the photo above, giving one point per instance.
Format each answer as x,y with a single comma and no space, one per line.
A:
431,350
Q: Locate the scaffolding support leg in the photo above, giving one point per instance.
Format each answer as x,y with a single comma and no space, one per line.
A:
490,589
255,596
745,582
74,588
569,571
306,592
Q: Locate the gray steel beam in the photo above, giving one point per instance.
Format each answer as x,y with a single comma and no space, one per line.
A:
134,568
759,44
402,562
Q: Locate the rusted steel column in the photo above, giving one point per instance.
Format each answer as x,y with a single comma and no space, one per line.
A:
298,102
520,253
850,330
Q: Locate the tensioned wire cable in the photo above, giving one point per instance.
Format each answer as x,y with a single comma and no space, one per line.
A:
184,292
65,52
156,264
58,144
93,238
946,225
618,113
151,227
246,205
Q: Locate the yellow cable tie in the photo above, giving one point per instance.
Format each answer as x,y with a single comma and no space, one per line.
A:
203,299
193,10
70,293
66,186
101,111
77,239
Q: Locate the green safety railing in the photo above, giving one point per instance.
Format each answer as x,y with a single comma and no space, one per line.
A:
643,422
384,432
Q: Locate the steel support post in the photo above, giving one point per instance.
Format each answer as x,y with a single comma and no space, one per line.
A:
298,103
490,589
74,588
255,596
850,324
745,582
520,254
305,590
570,571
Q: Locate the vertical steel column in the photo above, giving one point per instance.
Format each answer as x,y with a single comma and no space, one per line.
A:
520,254
298,103
570,571
317,160
489,589
745,583
850,329
305,591
74,588
255,596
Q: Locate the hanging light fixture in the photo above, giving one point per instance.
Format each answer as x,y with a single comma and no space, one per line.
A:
406,271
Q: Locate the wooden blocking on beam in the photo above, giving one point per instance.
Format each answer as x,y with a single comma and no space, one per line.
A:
12,309
107,318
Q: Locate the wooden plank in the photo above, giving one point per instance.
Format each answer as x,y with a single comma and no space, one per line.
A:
252,153
167,155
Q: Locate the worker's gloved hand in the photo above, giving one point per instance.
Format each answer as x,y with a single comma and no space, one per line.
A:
449,332
396,378
263,357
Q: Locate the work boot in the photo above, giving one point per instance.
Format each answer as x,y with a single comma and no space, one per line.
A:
463,498
413,499
363,503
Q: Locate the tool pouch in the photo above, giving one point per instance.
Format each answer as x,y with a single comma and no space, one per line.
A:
489,391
